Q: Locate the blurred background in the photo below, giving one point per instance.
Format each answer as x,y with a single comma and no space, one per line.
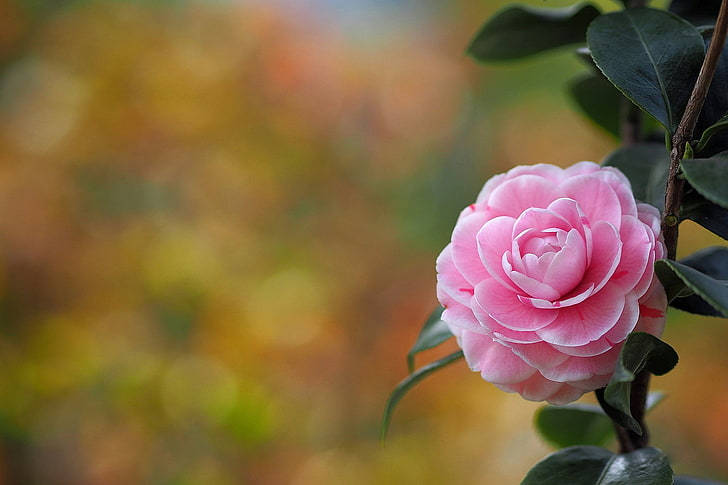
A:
218,228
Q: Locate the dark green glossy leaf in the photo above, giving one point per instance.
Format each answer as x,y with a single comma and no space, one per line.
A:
717,127
520,31
702,211
712,261
699,12
641,351
580,424
712,291
598,100
709,177
684,480
652,56
433,333
590,465
716,106
575,424
645,165
409,382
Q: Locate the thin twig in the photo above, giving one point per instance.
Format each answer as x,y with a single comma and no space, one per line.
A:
684,132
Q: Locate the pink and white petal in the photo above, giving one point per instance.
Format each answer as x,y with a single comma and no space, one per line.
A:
622,187
597,347
545,170
450,279
596,198
462,317
565,395
524,192
593,383
539,219
567,267
503,305
652,310
583,323
637,244
581,168
627,321
538,388
581,368
495,362
539,355
465,248
492,241
489,187
533,287
571,301
605,257
650,215
500,332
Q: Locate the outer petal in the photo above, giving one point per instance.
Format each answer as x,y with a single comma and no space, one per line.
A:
539,355
636,248
503,305
516,195
583,323
450,280
492,241
496,363
621,186
581,368
596,198
465,248
652,310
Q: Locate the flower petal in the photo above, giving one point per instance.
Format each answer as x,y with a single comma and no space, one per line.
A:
503,305
583,323
524,192
595,198
493,240
496,363
636,248
465,247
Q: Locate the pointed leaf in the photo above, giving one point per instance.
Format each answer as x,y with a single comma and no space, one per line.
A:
409,382
713,291
717,127
645,165
652,56
709,177
433,333
520,31
598,100
574,424
641,351
702,211
590,465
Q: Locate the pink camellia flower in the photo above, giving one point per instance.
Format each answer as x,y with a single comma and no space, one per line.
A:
546,275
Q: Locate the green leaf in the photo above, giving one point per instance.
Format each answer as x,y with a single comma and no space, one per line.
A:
712,291
408,383
521,31
580,424
646,166
709,177
641,351
598,100
433,333
702,211
684,480
590,465
717,127
574,424
652,56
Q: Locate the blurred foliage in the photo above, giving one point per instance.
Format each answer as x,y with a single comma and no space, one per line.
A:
218,226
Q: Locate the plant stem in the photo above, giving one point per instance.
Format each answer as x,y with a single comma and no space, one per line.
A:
684,132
